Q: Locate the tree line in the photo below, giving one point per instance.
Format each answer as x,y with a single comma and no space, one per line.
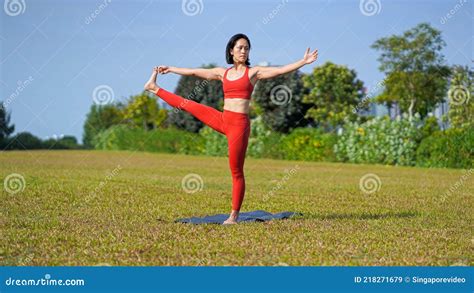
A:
417,79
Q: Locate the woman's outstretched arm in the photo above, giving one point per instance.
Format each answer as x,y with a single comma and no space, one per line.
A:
264,72
215,73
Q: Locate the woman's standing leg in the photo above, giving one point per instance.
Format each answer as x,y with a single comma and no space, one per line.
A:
237,127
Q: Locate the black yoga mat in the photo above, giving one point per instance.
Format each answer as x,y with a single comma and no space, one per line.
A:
253,216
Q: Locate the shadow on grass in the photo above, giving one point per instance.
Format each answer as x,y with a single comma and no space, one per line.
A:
360,216
340,216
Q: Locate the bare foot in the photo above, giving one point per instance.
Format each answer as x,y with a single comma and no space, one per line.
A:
234,215
150,85
229,222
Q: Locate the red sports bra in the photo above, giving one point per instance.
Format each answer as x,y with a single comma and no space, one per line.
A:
240,88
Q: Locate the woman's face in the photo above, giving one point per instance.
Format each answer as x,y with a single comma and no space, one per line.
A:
240,52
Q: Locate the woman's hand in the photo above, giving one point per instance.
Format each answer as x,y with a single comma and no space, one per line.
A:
163,69
310,57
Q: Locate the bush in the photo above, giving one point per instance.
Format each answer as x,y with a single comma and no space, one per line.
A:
263,141
100,118
27,141
380,140
430,126
24,140
451,148
308,144
170,140
215,143
66,142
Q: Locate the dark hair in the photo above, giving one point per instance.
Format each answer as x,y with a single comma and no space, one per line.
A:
230,46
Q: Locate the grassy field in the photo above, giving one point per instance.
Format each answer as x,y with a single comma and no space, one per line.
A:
118,208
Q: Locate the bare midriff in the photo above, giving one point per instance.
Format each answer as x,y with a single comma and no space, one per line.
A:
237,105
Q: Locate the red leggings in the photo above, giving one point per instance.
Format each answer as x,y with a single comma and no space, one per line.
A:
235,126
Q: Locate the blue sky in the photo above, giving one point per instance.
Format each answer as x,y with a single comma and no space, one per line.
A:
55,53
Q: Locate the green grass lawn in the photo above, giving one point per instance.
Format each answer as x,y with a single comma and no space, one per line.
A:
118,208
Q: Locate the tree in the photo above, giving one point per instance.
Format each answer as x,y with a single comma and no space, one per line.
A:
334,91
25,141
5,128
279,101
461,90
415,71
100,118
65,142
202,91
69,142
143,111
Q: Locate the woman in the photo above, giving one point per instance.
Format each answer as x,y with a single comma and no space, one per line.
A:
238,83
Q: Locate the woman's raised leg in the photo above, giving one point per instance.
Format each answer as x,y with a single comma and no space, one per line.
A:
207,115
